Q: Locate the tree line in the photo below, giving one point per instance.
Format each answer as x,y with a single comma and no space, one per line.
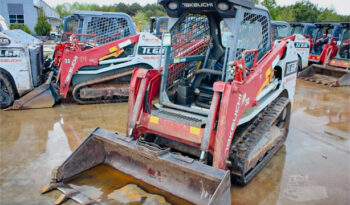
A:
300,11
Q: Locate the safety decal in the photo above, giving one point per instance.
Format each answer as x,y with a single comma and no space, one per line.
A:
195,130
154,120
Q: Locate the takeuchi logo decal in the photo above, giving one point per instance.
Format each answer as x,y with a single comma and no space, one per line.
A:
198,5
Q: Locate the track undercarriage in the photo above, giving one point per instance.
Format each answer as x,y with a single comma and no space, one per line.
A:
259,140
102,90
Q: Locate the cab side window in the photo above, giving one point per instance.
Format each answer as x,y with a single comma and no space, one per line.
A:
253,34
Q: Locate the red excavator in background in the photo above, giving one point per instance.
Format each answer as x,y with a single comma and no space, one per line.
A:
331,67
218,108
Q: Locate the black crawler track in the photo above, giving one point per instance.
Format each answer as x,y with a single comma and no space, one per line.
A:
99,100
7,90
76,90
249,136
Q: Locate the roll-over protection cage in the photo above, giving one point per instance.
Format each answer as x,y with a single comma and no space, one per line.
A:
195,31
280,29
103,26
333,30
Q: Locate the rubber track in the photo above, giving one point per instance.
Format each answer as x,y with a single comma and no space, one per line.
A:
9,87
249,136
79,86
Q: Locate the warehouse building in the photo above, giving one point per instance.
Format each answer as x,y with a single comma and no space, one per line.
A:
26,12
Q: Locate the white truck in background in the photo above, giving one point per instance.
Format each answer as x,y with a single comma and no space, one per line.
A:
21,63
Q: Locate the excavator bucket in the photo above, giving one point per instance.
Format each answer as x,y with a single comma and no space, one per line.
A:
178,175
326,75
43,96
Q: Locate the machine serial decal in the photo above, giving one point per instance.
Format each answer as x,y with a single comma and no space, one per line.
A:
150,50
291,68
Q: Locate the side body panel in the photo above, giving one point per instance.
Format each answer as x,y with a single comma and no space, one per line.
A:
302,46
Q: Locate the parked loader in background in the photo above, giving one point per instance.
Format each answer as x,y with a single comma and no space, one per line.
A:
159,25
95,62
21,65
280,30
219,107
325,42
306,29
106,26
333,67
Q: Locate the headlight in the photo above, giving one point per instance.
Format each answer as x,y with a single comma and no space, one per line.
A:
172,5
223,6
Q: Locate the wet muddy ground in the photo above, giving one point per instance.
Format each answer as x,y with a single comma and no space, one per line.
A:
312,168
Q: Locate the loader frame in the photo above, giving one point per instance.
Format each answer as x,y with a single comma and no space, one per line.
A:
215,140
250,81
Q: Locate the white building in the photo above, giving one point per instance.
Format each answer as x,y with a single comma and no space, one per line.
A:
26,12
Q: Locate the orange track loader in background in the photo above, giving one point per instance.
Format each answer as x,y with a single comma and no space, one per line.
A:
218,109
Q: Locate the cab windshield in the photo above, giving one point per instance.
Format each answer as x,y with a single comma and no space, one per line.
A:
297,29
280,31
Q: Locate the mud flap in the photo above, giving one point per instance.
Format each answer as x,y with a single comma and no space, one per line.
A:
181,176
326,75
43,96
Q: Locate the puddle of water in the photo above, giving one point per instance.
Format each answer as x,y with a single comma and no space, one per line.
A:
326,109
101,183
33,142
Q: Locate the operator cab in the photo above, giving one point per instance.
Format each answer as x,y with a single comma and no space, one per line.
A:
97,27
306,29
159,25
344,43
205,39
280,29
325,33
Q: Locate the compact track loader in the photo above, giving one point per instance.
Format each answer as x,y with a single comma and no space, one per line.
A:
308,30
333,67
280,30
218,109
21,66
95,61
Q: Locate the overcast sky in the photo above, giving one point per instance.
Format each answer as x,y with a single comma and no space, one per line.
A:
340,6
